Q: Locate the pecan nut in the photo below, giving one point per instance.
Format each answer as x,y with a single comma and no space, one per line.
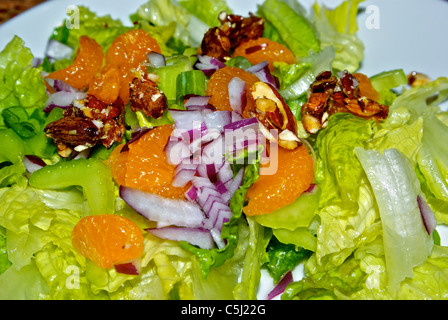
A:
273,113
328,95
87,123
218,42
146,96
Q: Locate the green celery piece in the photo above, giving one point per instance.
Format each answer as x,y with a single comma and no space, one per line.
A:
191,82
389,79
175,65
12,149
92,175
302,38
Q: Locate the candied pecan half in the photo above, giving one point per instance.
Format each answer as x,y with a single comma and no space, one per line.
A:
146,96
71,131
328,95
239,29
89,122
216,44
273,113
416,79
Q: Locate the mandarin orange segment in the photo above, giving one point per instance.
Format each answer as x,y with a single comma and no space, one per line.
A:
145,165
106,85
218,85
87,63
294,175
261,49
128,52
117,163
107,239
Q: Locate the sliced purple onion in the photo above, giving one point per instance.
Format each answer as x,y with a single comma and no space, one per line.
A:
132,267
208,65
33,163
156,60
261,70
56,50
135,136
281,285
185,119
181,213
218,119
62,99
237,94
191,193
59,85
197,101
195,236
184,173
428,217
244,123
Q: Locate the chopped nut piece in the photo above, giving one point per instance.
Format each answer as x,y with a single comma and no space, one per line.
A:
273,113
239,29
328,95
89,122
416,79
218,42
146,96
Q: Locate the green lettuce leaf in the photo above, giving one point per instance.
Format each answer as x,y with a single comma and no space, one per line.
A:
254,259
396,188
337,28
20,83
189,30
302,39
104,29
206,10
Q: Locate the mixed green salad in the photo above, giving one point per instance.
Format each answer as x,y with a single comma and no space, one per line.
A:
366,230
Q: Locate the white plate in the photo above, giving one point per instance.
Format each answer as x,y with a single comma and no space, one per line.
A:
407,34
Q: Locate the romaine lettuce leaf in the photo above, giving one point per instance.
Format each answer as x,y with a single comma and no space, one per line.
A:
20,83
396,188
254,259
189,30
337,28
302,39
104,29
206,10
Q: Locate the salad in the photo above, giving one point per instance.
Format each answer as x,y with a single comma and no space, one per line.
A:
186,152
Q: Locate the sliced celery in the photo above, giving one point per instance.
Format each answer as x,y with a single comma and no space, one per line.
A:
92,175
389,79
190,82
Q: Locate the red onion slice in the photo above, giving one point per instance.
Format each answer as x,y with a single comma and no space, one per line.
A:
62,99
33,163
281,286
132,267
156,60
428,217
181,213
195,236
208,65
237,94
56,50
